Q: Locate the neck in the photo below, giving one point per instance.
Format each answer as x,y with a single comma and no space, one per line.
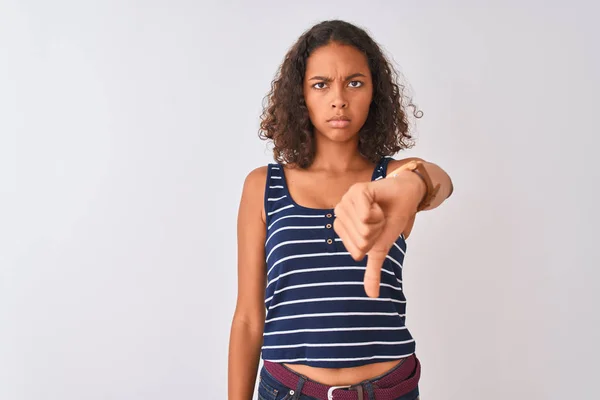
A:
338,157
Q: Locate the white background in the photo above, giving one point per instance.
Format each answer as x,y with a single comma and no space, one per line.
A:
128,127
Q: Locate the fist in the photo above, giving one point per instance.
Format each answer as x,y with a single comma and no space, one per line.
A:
369,219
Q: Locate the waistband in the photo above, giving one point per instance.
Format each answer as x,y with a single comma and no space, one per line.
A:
401,380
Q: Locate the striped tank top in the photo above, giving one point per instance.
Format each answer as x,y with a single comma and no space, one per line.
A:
318,313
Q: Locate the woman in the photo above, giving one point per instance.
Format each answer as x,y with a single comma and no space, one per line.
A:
322,233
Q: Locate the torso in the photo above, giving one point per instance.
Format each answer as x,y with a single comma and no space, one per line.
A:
343,376
323,190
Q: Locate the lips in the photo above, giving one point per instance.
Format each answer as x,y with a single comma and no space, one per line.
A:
339,122
339,118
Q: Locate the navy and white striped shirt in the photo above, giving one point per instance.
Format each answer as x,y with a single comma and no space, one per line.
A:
318,313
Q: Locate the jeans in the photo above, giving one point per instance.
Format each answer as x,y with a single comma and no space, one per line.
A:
271,389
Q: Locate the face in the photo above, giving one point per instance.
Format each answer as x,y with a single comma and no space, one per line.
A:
338,91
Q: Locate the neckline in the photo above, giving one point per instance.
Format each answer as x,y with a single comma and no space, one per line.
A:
286,189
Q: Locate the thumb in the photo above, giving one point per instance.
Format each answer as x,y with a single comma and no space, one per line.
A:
375,259
377,255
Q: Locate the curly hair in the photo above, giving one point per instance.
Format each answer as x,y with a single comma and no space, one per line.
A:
285,118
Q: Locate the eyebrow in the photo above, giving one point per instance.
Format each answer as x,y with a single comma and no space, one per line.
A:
326,79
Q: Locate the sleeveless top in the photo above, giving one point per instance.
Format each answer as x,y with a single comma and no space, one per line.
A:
318,313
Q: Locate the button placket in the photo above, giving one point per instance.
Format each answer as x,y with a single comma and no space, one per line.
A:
330,239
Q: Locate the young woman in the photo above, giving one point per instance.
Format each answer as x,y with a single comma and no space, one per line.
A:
322,232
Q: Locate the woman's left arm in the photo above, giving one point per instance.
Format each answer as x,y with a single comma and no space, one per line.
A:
437,175
371,215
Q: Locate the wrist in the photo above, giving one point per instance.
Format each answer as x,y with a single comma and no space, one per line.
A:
418,168
418,187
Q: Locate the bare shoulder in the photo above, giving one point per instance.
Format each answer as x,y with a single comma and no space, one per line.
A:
256,177
398,163
254,190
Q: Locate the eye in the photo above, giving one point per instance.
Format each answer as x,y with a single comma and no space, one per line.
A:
319,83
357,84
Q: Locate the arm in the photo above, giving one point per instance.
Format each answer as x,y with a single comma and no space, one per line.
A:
247,327
437,174
371,215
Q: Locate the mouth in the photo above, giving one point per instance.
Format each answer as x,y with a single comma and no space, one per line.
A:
339,118
339,122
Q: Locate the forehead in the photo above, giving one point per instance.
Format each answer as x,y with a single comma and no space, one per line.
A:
334,58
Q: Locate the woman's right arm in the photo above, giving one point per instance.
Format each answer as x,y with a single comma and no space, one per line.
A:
246,336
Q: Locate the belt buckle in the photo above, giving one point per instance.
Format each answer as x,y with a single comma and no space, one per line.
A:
332,388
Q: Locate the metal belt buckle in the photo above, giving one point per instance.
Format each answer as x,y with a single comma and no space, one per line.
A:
331,389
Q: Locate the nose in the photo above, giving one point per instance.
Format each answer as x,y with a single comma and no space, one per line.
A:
339,101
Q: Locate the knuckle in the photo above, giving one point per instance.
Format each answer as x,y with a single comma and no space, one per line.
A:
364,217
356,188
356,256
364,231
337,210
362,244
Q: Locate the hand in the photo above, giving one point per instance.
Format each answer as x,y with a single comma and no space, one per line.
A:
371,216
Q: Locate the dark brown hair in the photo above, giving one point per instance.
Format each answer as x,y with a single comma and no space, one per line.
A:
285,118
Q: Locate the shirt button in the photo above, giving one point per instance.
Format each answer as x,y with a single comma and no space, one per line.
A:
328,226
329,241
329,215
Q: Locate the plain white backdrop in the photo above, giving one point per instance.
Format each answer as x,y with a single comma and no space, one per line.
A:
128,127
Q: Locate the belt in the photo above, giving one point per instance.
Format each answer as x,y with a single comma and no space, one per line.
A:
407,375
